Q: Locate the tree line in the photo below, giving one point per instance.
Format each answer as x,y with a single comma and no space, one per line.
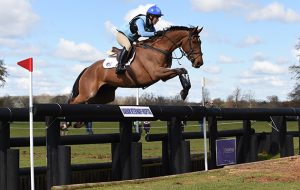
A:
233,101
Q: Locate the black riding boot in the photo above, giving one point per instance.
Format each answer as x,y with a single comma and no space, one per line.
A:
121,62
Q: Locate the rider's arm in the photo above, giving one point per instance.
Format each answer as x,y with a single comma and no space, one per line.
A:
141,29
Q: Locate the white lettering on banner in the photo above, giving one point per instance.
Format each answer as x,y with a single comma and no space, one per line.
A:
229,150
136,111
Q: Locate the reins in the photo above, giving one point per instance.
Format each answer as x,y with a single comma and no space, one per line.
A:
147,46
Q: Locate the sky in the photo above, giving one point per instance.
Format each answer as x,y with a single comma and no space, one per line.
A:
246,44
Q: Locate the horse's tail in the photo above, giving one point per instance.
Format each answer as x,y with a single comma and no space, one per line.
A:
75,89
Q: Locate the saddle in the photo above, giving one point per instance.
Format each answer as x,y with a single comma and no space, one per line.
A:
117,51
113,56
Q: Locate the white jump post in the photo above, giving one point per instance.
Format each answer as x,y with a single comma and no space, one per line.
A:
204,126
137,103
28,64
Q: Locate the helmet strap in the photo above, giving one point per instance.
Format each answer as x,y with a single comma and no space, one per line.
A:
148,20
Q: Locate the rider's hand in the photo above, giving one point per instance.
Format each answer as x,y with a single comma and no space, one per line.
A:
159,33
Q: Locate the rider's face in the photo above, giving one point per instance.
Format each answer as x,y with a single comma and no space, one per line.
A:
154,19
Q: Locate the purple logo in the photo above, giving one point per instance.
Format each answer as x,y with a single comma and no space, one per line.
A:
226,151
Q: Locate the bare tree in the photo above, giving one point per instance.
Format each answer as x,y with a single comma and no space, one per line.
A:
249,97
230,101
147,98
218,102
61,99
237,93
7,101
3,73
130,100
206,96
273,100
295,69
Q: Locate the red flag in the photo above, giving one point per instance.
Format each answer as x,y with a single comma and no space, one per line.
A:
27,64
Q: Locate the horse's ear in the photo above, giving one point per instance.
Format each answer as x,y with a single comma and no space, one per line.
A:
195,30
199,30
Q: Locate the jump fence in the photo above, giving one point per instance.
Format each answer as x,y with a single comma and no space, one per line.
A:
127,161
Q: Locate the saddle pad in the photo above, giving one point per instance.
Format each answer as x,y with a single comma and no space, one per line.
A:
111,61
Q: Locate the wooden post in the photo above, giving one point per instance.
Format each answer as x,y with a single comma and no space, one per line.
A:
125,149
174,139
165,157
52,141
274,138
246,140
186,156
4,145
13,177
115,168
213,136
136,160
64,165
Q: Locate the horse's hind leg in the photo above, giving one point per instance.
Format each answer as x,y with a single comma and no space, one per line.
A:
105,94
78,100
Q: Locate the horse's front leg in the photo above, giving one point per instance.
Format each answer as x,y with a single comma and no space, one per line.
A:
186,85
166,73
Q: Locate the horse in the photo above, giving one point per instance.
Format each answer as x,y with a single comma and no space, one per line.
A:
152,62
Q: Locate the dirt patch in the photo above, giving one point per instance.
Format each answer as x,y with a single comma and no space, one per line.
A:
280,170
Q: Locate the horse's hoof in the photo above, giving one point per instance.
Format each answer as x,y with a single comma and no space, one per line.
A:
63,126
69,124
183,94
64,129
78,125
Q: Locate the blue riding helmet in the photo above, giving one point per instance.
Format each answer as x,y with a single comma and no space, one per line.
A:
154,10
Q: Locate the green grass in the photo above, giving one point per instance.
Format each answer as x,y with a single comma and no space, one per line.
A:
221,179
96,153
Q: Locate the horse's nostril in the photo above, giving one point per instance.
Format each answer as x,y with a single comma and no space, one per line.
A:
197,64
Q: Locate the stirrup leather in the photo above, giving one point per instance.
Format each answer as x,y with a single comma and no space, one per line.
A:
121,62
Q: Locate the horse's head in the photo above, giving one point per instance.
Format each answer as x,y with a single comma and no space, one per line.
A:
191,45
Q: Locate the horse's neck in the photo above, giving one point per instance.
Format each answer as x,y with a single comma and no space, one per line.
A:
174,39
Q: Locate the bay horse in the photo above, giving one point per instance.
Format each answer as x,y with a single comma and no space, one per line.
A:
152,62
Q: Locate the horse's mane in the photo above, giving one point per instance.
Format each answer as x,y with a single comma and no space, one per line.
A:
170,28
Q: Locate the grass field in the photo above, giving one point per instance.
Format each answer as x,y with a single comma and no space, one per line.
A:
275,174
96,153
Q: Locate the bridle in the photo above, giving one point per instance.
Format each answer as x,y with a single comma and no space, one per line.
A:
189,55
192,52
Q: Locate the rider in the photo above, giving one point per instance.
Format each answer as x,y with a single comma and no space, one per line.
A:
140,26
